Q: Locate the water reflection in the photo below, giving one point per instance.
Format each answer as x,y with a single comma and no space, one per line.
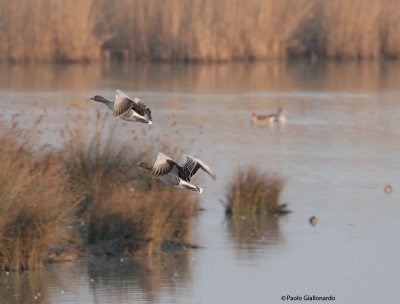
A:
338,148
26,287
250,235
101,280
49,77
236,77
118,279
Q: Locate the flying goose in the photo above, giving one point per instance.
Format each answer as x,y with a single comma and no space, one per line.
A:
126,108
277,117
177,175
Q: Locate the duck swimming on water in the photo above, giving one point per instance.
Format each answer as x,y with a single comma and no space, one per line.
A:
127,108
175,174
277,117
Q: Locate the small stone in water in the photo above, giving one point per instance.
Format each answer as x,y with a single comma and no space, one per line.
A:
92,280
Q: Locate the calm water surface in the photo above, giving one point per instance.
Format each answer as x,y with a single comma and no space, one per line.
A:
338,150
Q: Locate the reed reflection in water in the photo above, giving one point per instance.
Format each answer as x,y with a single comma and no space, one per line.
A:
251,235
114,280
26,287
236,77
101,280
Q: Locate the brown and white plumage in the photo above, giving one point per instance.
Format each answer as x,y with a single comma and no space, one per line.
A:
126,108
191,165
277,117
175,174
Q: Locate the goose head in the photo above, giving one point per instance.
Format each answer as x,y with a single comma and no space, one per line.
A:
99,98
144,165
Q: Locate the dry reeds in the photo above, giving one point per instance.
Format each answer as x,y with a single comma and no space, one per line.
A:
254,192
125,211
48,30
197,30
35,205
132,221
89,196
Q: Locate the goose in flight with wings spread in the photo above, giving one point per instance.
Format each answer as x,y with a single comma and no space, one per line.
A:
175,174
126,108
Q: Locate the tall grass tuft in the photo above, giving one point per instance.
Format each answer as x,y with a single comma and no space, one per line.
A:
124,209
254,192
89,197
35,204
132,222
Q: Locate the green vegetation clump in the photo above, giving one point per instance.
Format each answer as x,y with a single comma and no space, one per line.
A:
253,192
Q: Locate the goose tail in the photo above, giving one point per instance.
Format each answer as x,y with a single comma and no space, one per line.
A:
186,185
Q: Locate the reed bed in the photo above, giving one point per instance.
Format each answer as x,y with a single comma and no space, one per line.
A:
35,204
87,198
197,30
253,192
124,209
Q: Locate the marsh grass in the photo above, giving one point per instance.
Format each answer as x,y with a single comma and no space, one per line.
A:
132,222
254,192
35,204
124,210
197,30
88,197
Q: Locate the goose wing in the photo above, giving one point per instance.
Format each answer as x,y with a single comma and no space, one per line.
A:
190,165
164,165
142,109
124,103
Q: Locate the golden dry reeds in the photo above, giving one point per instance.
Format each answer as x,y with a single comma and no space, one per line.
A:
125,210
48,30
131,221
88,197
254,192
35,204
197,30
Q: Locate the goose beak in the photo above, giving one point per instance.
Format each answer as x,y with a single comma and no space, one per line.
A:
91,98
